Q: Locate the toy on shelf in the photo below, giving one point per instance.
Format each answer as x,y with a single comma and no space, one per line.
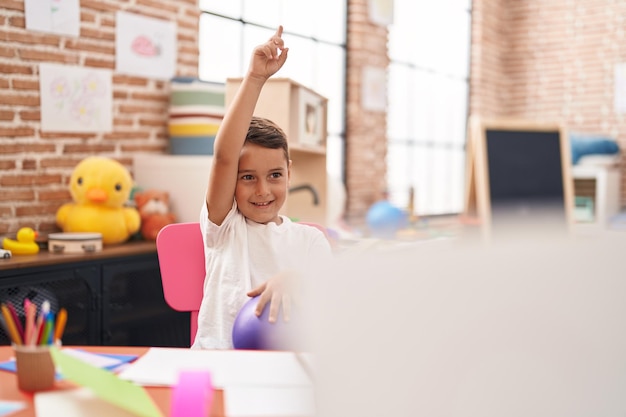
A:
100,188
154,209
384,220
23,244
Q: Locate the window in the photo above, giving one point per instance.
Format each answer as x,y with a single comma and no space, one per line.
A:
315,32
429,45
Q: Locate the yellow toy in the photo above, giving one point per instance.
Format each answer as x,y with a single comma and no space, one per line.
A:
25,243
100,187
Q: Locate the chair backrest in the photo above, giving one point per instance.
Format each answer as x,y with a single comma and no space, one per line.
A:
181,260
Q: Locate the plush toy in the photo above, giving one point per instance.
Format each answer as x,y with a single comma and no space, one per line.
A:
154,209
100,187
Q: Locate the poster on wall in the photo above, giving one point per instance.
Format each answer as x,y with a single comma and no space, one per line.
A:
374,89
75,99
145,46
53,16
380,11
620,88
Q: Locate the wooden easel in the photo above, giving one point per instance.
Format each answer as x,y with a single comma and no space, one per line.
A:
478,204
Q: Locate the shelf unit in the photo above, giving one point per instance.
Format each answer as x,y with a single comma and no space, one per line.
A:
183,177
113,297
602,185
302,114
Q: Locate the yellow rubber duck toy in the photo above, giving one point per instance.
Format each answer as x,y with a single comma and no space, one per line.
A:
24,244
100,188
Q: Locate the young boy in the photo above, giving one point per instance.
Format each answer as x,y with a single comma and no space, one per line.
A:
250,249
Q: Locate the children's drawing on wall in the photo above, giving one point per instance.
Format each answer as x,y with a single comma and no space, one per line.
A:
374,89
381,11
145,46
75,99
53,16
620,88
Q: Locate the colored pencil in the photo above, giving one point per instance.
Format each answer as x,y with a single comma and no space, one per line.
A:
47,328
16,319
11,328
39,327
60,325
30,310
50,334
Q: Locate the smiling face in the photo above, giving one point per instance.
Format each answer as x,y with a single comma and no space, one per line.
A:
262,183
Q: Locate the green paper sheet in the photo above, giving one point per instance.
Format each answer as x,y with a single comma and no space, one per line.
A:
106,385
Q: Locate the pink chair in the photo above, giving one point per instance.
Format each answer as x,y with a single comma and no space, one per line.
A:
181,260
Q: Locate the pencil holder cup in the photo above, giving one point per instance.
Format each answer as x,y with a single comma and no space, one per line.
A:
35,368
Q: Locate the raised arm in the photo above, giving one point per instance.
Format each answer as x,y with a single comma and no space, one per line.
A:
266,60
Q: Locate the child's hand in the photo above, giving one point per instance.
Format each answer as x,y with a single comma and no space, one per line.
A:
275,291
266,60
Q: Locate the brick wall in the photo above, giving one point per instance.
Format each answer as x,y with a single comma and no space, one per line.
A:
35,166
366,131
550,60
488,81
533,59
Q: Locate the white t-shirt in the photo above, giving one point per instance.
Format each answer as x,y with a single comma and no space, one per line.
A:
240,255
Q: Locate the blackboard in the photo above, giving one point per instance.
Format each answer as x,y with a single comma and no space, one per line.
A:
520,175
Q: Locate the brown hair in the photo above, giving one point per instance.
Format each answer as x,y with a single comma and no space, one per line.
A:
265,133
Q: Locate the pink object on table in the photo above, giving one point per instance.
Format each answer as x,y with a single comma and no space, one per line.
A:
192,396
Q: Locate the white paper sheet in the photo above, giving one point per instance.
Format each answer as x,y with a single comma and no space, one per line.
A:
269,402
9,407
94,359
53,16
78,402
238,402
307,360
161,367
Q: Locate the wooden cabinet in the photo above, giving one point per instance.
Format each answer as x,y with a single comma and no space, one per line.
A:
302,114
601,186
113,297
